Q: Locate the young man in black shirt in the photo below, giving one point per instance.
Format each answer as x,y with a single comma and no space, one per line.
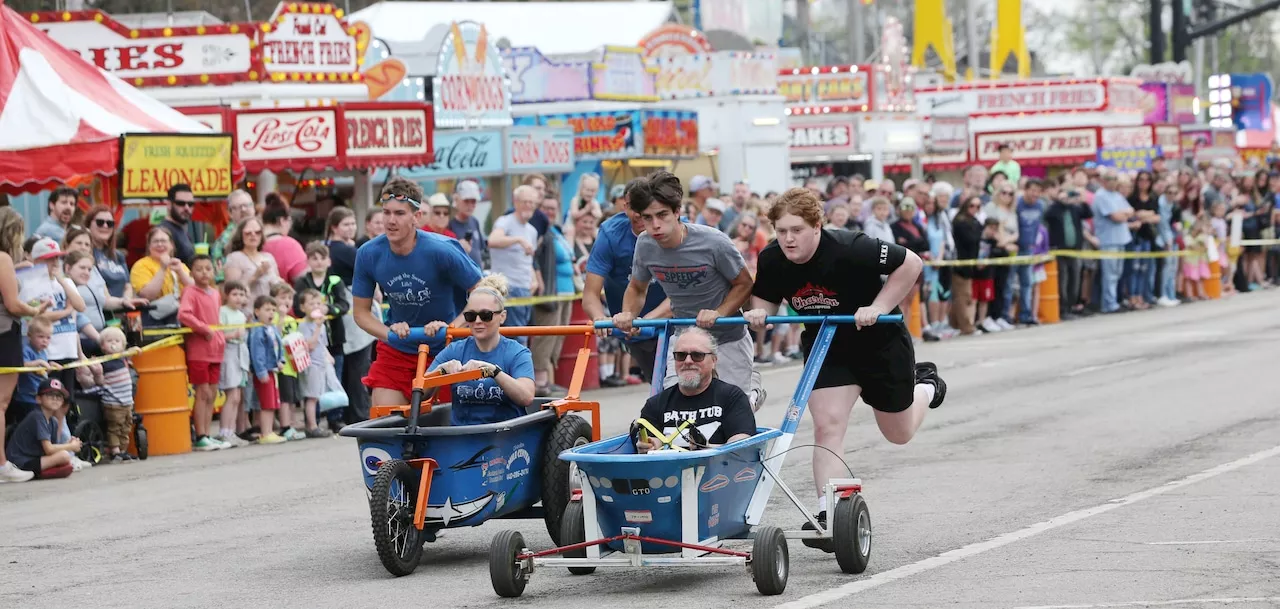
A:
839,273
719,410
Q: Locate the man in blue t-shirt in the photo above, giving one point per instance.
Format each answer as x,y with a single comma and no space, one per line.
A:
609,268
1030,210
424,279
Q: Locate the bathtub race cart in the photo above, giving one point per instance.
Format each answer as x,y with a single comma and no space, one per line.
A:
423,475
675,508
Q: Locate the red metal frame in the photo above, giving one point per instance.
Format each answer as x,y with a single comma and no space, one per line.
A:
630,537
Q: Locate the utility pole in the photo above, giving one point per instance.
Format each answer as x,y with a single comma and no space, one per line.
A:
971,35
802,29
1181,9
1157,31
857,31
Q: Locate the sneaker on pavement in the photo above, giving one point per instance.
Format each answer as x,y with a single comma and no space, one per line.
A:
927,372
272,438
293,434
825,545
316,432
77,464
631,380
779,359
119,458
990,325
10,473
207,444
1004,324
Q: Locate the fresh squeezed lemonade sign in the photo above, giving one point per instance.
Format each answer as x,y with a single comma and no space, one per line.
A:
150,164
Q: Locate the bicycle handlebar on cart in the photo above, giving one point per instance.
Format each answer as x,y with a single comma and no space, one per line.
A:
420,334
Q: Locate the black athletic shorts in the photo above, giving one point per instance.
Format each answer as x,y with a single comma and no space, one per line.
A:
887,377
290,390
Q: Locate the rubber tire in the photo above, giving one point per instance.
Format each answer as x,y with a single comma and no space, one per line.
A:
507,579
92,441
394,563
140,442
770,561
570,431
845,534
573,529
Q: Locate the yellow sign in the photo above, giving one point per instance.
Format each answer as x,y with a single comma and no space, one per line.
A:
150,164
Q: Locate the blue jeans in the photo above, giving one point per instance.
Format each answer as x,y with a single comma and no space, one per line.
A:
1140,273
519,316
999,308
1026,289
1112,269
1169,278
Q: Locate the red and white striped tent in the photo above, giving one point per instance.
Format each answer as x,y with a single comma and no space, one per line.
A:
60,116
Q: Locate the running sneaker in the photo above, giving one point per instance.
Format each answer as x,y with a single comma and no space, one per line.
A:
1004,324
316,432
780,359
927,372
826,544
293,434
206,444
990,326
10,473
78,464
271,438
631,380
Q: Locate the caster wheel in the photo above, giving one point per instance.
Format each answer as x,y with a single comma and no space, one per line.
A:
391,505
140,442
851,534
508,577
770,562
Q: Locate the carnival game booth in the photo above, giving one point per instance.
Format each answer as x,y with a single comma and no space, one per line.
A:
742,119
1050,124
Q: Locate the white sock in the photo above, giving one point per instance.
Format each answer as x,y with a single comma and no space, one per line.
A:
822,503
929,391
606,371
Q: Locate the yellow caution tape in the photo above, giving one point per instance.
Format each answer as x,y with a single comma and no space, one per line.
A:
165,342
526,301
1042,258
1259,242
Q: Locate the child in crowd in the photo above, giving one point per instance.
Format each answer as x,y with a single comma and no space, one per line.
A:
1038,274
338,303
1195,267
34,355
1220,229
117,395
235,360
984,284
32,446
266,356
64,345
287,381
198,309
320,373
80,266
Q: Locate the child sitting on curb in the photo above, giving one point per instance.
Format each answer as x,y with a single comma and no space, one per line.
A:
32,448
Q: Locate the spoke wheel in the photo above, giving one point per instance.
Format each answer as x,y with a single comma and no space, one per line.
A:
391,505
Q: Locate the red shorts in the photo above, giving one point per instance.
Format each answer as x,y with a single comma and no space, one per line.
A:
203,373
984,290
268,394
394,369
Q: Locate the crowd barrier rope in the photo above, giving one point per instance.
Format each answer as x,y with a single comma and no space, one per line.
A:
165,342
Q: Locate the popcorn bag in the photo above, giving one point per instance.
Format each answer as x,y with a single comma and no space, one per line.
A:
295,345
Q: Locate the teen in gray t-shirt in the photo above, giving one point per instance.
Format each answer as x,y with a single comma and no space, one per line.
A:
696,275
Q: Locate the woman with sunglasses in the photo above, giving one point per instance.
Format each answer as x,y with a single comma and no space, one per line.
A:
424,279
248,264
507,388
113,270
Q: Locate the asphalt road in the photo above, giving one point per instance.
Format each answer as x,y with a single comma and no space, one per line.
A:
1125,461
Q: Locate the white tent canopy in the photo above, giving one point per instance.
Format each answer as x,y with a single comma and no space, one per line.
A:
555,28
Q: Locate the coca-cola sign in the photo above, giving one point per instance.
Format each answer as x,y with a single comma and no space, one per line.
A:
287,134
464,153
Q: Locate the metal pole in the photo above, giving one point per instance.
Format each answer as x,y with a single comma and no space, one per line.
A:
857,31
971,35
1157,32
802,29
1200,79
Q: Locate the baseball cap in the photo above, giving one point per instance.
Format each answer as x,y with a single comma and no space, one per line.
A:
715,204
617,191
438,200
467,190
700,182
49,385
46,249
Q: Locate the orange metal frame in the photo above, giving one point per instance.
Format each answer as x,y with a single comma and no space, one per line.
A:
424,381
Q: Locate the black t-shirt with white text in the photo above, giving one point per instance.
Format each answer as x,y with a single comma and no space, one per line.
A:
843,276
720,412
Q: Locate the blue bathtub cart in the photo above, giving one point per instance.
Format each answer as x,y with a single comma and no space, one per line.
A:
676,508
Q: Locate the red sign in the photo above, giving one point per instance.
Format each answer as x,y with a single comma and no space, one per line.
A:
674,39
1040,147
670,136
1127,137
288,139
381,132
1169,139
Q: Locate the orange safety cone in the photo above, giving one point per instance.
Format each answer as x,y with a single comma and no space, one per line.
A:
1049,313
915,323
1213,285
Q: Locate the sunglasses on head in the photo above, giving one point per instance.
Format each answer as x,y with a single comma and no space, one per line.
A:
485,316
386,198
104,223
697,356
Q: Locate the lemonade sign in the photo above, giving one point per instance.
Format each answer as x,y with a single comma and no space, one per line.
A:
150,164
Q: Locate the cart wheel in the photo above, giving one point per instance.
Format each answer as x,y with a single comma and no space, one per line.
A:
569,431
851,534
573,529
391,506
770,561
140,442
91,441
508,578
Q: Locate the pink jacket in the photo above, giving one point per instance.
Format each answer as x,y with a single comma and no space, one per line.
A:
198,309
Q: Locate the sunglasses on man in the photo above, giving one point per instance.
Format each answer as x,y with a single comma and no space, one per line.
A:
696,356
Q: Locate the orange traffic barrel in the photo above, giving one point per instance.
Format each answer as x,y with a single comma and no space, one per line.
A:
1213,285
915,320
569,353
1049,312
162,399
